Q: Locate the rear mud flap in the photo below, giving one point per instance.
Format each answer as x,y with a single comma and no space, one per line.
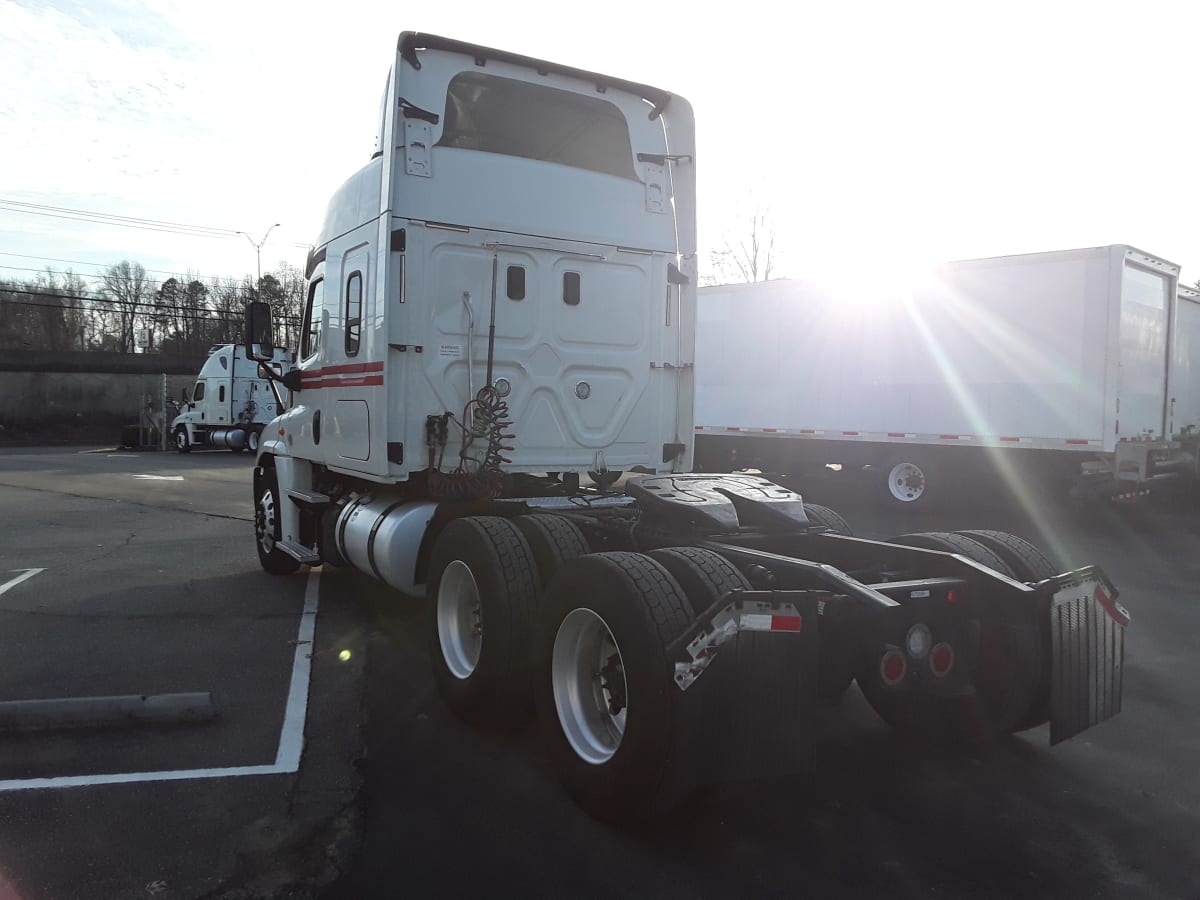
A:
751,661
1087,652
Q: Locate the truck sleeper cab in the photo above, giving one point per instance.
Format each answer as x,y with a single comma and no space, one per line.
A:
230,404
502,300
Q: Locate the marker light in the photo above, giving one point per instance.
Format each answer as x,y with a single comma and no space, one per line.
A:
941,660
892,667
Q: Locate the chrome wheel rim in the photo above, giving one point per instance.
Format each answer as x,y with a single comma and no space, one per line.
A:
264,521
459,619
590,690
906,482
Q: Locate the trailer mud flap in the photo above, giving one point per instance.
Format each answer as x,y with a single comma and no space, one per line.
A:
1087,652
751,661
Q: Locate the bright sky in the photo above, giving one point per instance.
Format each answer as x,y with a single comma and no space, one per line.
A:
880,135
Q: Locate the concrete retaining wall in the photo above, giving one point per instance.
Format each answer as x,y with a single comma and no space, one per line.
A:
37,404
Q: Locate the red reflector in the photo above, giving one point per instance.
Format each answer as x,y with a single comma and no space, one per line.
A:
941,659
951,597
785,623
892,667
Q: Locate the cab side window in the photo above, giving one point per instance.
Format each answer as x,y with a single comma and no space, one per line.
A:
354,291
310,340
198,393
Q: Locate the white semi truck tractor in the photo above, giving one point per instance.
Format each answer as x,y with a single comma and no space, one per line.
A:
501,302
230,403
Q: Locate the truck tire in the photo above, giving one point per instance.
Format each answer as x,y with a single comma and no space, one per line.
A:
252,437
182,443
1010,669
823,515
950,542
482,583
624,740
1030,564
268,530
705,576
905,482
1027,561
553,540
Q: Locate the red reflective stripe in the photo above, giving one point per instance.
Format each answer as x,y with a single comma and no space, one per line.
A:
1077,441
948,437
1117,613
362,381
1011,440
895,434
770,430
347,369
786,623
732,429
808,431
850,433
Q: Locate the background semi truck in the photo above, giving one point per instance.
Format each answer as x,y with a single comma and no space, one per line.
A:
503,299
230,402
1051,365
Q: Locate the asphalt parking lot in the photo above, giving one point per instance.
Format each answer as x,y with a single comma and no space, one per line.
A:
147,582
453,812
135,574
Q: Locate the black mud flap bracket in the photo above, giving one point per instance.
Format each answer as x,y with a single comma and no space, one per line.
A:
1087,651
751,661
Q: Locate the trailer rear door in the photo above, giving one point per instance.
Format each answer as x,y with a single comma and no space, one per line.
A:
1146,302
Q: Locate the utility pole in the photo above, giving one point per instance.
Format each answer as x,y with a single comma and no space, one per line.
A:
258,245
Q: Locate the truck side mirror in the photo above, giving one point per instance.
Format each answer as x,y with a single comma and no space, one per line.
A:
260,344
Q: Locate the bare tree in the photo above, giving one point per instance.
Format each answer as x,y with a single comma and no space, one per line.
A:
746,258
126,285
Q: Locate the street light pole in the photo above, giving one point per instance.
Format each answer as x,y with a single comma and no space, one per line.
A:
257,245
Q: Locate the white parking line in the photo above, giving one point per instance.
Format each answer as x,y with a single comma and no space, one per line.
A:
159,477
12,583
291,735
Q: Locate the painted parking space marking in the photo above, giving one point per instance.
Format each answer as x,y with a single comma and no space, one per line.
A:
158,477
291,734
25,576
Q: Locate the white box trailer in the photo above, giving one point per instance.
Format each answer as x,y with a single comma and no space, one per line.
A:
1060,356
1185,369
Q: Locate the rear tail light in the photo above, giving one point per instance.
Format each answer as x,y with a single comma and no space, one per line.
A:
941,660
892,667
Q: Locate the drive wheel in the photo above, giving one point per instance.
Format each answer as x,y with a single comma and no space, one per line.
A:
623,738
705,576
1030,564
1002,687
553,541
182,444
482,584
268,530
252,440
823,515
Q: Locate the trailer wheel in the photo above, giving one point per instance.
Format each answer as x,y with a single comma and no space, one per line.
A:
1010,663
553,541
905,482
252,440
182,443
482,584
623,738
268,529
823,515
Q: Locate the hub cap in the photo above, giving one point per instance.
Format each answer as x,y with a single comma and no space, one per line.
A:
906,482
264,521
590,692
459,619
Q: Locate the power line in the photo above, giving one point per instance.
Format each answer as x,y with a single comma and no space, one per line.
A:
103,218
